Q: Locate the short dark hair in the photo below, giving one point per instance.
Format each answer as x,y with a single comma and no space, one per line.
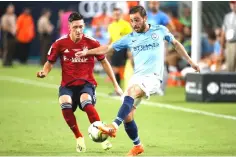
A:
116,9
211,34
75,16
138,9
45,10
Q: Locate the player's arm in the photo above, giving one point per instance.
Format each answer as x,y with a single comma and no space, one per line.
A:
181,50
96,51
117,46
107,67
53,53
46,69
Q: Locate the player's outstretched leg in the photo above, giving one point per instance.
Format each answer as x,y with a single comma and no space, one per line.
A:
123,112
132,131
93,116
133,92
71,121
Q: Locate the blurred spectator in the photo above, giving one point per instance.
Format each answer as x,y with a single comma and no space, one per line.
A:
214,59
157,17
117,29
45,29
60,13
102,20
25,33
101,36
64,21
175,21
229,37
8,23
172,58
187,39
206,48
130,5
218,32
185,18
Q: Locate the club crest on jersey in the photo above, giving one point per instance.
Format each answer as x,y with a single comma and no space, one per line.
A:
66,51
155,36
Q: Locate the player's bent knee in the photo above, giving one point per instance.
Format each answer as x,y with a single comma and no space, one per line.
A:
85,99
85,96
65,99
135,91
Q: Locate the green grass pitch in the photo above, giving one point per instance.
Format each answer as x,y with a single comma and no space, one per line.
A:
31,122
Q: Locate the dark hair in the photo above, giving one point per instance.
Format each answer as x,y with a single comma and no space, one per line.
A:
138,9
211,34
45,10
75,16
116,9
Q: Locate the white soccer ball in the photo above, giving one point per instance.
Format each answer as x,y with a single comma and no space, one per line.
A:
95,134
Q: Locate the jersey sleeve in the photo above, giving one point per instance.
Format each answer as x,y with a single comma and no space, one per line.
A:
53,52
96,44
121,44
167,35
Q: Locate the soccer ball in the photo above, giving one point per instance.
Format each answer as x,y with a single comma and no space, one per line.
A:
95,134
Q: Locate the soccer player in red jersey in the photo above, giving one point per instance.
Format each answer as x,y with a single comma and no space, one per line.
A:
78,83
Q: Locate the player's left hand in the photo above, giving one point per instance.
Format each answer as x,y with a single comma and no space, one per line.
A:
195,67
81,53
119,91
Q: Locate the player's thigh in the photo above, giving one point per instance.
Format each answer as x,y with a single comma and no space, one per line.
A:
149,84
65,99
87,95
65,95
135,91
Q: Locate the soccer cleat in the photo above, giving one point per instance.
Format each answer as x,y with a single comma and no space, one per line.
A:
80,145
136,150
106,145
109,129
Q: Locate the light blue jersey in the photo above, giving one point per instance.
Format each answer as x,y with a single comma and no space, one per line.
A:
147,49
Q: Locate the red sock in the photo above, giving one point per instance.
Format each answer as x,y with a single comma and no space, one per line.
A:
92,113
71,121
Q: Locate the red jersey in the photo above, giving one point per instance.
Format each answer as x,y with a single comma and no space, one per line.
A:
75,68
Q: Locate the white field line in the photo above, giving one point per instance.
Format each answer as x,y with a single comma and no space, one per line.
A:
168,106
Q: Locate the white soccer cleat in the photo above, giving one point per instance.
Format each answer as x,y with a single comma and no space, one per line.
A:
80,145
106,145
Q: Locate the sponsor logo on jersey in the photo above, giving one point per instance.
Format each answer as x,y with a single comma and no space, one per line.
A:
145,47
75,59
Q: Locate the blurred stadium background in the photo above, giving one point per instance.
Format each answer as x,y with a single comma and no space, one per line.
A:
30,118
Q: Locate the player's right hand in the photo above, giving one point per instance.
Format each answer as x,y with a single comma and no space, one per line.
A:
195,67
118,90
81,53
41,74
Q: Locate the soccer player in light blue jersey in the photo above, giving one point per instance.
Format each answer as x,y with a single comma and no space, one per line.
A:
146,44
